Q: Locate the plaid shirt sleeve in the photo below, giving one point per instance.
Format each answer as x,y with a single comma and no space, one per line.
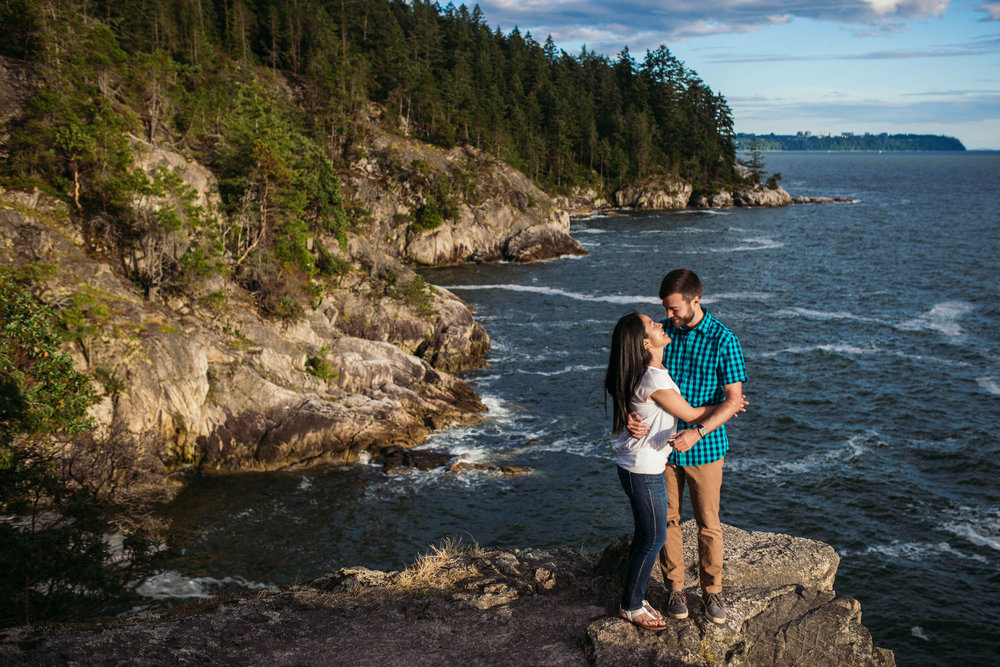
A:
732,368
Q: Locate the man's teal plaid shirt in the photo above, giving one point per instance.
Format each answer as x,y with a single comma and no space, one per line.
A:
701,361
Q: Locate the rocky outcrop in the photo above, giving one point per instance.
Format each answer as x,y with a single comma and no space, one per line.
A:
582,201
762,197
660,193
823,200
492,211
208,381
493,606
716,200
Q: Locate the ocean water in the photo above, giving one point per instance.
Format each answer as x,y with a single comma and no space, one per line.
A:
872,338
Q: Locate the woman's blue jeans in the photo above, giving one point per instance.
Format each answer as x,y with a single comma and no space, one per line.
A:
648,496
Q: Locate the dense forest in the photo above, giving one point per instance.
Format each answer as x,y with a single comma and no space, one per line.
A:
443,71
804,141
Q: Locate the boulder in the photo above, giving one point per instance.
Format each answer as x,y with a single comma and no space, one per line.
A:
762,196
716,200
658,193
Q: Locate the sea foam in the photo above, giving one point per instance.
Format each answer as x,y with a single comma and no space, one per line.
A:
990,384
554,291
942,318
977,525
172,584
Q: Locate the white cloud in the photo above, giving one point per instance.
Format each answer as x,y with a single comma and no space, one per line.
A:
912,8
683,19
992,10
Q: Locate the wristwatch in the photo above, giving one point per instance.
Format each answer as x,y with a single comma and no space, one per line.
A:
701,430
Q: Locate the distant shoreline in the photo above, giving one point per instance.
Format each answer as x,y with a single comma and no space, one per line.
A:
806,141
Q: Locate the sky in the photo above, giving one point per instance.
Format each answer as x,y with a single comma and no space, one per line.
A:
787,66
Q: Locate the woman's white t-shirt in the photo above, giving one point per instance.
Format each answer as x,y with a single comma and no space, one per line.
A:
648,454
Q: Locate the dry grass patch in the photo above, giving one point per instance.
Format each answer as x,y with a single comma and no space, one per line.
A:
429,567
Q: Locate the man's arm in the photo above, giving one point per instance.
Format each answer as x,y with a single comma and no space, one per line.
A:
731,404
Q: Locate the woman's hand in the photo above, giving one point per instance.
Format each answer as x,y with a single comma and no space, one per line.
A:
635,426
743,406
684,440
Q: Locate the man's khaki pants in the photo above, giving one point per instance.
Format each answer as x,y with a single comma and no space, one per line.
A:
705,483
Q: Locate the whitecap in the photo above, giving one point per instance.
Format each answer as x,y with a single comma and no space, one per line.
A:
554,291
942,318
701,211
579,368
912,551
821,314
919,633
979,526
305,484
737,296
989,384
761,243
172,584
837,348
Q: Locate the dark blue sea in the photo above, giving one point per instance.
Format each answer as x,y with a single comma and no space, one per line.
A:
872,338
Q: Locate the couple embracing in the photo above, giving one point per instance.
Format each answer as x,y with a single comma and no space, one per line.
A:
673,386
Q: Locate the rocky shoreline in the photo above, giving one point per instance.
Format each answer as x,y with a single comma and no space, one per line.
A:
476,606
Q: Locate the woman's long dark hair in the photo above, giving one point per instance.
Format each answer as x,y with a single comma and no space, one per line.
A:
626,366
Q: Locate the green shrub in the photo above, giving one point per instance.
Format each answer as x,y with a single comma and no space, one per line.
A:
319,365
56,496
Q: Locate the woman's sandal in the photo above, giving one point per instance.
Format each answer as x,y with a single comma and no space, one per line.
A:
652,612
655,622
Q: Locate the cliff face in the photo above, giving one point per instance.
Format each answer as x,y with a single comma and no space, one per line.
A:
493,212
205,379
494,606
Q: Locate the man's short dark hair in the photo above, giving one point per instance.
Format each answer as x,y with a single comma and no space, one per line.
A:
681,281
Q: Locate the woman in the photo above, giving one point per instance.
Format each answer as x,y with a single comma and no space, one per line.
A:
638,382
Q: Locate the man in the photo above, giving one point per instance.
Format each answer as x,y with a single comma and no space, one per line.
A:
706,361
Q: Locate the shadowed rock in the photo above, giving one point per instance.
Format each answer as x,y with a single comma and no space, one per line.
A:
492,606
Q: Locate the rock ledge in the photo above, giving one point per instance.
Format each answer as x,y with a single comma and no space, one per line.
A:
492,606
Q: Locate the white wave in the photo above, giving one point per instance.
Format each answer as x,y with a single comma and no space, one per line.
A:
919,633
979,526
305,484
913,551
933,361
749,244
852,449
737,296
173,584
990,384
676,230
562,371
554,291
838,348
701,211
942,318
590,230
821,314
